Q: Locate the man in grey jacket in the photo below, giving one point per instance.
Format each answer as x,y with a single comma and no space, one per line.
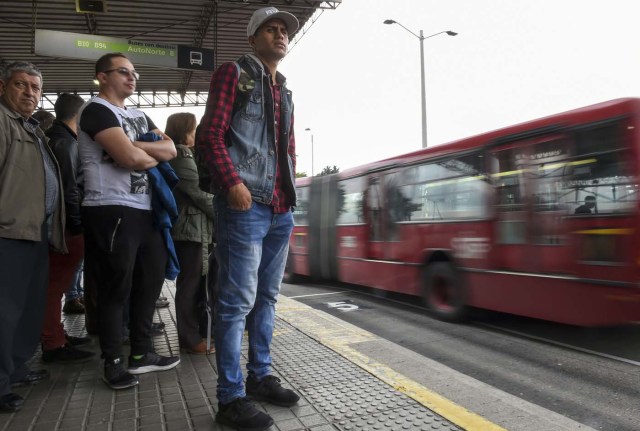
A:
31,219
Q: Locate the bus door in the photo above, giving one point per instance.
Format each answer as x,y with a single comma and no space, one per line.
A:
374,217
379,214
602,194
529,233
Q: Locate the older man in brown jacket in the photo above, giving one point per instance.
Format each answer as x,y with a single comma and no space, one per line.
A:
31,219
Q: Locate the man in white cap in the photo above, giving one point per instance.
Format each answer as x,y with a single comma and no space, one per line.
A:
247,142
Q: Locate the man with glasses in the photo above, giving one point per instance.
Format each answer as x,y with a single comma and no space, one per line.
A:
125,254
31,220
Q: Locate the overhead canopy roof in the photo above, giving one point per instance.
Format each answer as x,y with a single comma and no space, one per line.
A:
215,24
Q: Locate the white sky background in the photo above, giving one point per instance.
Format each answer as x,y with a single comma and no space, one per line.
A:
356,81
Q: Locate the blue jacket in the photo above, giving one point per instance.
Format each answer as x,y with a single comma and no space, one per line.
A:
165,211
252,134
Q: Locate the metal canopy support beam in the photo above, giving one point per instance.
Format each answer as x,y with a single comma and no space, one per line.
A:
320,4
167,100
92,23
155,99
329,4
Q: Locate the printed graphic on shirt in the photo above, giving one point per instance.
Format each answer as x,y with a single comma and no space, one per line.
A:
139,183
134,127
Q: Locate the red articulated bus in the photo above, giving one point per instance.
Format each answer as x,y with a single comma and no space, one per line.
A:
541,219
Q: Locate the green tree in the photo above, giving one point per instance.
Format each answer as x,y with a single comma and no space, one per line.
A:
328,170
301,174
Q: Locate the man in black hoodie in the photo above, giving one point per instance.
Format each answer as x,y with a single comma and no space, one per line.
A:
56,346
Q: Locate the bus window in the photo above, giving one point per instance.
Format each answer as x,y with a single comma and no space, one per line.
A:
548,169
508,167
374,209
301,210
399,205
458,190
468,188
350,206
411,192
601,173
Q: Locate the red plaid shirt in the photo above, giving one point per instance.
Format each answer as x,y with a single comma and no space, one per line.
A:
217,120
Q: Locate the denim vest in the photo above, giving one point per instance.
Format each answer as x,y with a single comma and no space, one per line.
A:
251,138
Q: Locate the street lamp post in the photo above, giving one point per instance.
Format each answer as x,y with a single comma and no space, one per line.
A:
310,131
421,37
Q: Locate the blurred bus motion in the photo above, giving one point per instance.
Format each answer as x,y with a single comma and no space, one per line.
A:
540,219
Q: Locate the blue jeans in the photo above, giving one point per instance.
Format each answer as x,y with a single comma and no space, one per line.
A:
75,290
252,251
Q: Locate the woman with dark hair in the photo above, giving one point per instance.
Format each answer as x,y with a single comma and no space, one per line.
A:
192,233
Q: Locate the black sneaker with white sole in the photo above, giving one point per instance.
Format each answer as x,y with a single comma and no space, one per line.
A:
150,362
116,375
240,414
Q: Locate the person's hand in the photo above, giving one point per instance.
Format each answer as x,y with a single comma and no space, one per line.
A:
239,198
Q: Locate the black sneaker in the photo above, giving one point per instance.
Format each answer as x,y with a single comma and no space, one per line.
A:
152,362
77,341
270,390
66,354
242,415
116,376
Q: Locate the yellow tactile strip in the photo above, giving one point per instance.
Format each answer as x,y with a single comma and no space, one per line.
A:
339,335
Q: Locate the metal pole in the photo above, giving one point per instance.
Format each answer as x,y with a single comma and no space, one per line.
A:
422,74
424,97
308,129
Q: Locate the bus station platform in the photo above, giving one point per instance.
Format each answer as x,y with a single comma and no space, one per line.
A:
341,388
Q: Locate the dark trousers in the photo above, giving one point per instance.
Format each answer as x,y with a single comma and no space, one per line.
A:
90,301
126,257
24,266
62,268
190,286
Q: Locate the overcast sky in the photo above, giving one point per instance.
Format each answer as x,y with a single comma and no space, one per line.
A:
356,81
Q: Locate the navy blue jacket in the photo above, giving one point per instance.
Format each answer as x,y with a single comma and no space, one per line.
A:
165,210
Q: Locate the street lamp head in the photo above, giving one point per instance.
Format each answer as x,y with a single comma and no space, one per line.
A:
389,21
451,33
308,129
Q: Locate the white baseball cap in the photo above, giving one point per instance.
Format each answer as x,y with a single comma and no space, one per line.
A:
260,16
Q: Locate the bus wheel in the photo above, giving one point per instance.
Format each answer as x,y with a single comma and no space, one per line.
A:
444,292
